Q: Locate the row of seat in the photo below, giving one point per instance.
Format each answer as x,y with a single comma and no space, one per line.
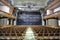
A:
22,39
12,31
20,31
45,31
47,39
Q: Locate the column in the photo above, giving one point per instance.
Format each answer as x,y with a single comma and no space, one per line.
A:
15,22
46,21
16,19
9,21
42,19
42,13
12,22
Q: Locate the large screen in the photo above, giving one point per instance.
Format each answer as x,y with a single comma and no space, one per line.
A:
29,18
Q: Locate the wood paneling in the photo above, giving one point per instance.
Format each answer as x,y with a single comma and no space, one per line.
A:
56,15
5,14
52,4
7,4
49,16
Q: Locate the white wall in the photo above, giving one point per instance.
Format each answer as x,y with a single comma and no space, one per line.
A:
57,9
5,8
49,12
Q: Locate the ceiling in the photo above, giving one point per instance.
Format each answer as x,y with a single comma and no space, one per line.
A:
36,4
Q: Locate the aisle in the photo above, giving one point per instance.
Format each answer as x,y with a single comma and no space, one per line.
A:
29,34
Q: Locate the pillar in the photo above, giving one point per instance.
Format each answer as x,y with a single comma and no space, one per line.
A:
9,21
42,19
15,22
46,22
12,21
42,13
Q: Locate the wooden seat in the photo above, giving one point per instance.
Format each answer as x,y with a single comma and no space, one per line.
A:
16,31
7,34
45,31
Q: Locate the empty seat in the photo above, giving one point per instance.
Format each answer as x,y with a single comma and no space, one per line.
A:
15,31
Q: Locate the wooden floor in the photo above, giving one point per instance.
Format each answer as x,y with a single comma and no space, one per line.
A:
40,33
